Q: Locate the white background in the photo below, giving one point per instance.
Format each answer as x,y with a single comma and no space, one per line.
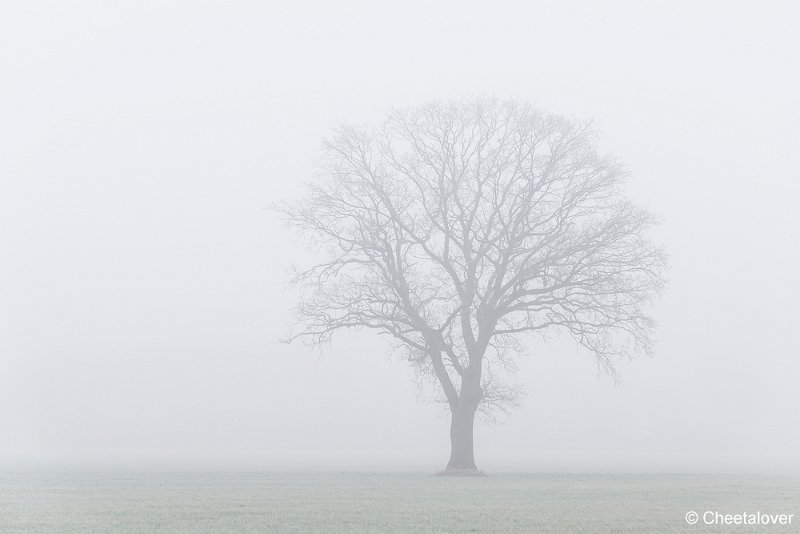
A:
142,278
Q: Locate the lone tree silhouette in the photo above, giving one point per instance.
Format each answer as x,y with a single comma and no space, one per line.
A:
458,228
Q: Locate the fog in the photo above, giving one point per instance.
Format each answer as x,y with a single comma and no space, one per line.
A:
143,281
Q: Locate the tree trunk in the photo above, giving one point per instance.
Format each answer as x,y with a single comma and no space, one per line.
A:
462,455
462,423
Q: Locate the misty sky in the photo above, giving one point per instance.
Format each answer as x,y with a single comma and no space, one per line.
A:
143,279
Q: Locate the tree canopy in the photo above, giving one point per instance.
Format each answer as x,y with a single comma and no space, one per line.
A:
456,228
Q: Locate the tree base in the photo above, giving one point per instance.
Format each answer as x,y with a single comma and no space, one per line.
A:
461,473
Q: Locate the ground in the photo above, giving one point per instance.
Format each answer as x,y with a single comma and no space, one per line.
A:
216,501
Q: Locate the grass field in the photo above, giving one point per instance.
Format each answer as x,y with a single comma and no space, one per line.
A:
404,502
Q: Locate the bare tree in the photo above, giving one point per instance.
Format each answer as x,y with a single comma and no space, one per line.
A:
456,228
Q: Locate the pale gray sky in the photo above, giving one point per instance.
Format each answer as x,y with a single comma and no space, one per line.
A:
142,281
